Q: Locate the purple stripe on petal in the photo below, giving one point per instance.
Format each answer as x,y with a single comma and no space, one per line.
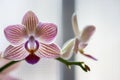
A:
48,51
32,58
15,53
46,32
15,33
30,20
89,56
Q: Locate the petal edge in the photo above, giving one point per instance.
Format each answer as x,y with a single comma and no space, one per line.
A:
15,33
87,33
67,49
75,24
30,21
46,32
15,53
48,51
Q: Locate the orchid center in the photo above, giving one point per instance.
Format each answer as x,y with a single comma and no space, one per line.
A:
31,45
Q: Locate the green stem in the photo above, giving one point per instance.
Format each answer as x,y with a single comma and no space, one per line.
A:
8,65
69,63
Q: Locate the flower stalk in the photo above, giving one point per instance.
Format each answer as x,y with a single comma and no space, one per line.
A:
67,63
8,65
70,63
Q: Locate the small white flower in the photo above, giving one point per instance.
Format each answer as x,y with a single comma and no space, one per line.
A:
79,42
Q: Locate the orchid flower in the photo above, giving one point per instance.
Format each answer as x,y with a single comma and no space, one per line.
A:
4,75
31,40
80,41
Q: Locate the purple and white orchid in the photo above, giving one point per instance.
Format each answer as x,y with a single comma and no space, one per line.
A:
31,40
80,41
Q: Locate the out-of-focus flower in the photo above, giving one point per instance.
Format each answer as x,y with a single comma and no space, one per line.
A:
80,41
31,40
4,75
7,77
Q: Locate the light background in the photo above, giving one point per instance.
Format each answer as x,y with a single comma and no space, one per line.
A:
105,43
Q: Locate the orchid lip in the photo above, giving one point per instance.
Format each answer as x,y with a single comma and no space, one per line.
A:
32,59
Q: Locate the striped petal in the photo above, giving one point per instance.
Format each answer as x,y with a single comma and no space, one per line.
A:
15,53
48,51
46,32
75,24
30,20
67,49
87,33
15,33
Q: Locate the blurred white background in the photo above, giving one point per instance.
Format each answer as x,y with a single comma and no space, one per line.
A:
105,43
12,12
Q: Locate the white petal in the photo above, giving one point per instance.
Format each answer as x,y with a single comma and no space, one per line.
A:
76,45
67,49
75,24
87,33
